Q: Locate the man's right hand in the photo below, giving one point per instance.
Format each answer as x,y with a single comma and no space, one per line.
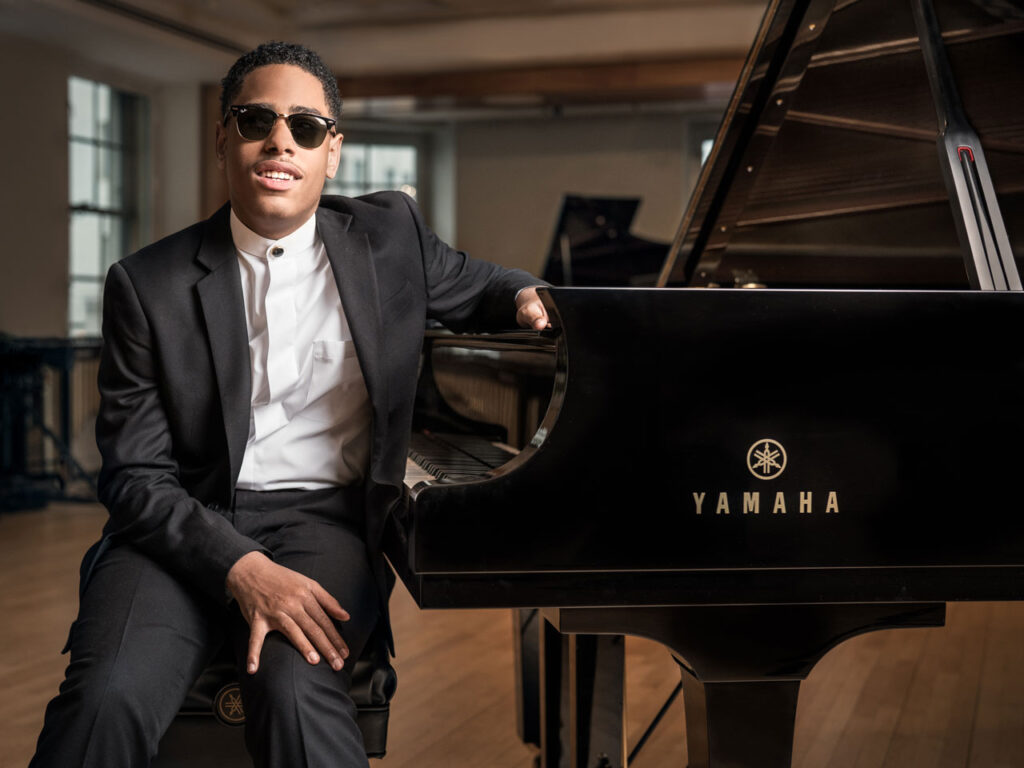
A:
273,597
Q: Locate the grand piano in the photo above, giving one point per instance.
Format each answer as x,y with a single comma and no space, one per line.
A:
811,429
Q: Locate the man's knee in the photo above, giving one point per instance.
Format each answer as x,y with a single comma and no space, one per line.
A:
288,688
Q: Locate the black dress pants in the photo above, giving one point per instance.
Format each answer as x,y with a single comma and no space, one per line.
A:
143,636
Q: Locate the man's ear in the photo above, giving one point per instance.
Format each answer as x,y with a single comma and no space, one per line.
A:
220,144
334,155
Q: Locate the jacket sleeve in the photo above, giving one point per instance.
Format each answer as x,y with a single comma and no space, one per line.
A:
139,483
463,292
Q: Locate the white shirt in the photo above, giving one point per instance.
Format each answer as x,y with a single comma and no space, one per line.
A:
309,424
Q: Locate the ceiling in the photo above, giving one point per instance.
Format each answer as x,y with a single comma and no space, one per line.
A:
422,42
321,14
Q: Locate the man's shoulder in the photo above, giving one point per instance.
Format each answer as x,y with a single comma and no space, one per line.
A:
371,206
171,253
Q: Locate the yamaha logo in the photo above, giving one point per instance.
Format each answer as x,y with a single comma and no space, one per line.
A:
766,459
227,705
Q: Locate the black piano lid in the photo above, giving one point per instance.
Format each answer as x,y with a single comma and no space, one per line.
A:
825,170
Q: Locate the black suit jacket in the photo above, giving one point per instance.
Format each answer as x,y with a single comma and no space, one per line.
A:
175,374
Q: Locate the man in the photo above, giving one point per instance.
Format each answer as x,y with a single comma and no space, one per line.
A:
257,382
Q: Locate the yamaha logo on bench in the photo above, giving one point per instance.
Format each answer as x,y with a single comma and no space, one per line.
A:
227,705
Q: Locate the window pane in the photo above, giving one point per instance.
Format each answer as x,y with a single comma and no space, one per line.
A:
352,169
372,167
110,178
392,167
96,176
97,241
81,117
705,149
82,171
104,116
110,114
84,304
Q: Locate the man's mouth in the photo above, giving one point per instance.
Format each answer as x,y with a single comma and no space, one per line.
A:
276,177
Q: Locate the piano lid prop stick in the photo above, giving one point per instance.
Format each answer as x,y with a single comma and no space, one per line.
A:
979,222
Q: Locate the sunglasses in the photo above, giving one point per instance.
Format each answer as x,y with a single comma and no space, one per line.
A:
255,124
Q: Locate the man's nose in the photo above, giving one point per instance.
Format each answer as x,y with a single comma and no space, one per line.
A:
280,137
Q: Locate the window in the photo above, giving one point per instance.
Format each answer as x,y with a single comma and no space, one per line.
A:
705,149
105,164
369,167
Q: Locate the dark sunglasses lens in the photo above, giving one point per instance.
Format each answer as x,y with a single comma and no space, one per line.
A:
255,124
308,132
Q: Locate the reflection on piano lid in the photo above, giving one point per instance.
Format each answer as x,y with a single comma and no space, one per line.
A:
592,245
453,457
825,170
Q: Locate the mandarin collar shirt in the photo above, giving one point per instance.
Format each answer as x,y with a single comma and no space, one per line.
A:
310,415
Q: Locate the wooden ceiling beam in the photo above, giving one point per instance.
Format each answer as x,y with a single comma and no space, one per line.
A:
647,79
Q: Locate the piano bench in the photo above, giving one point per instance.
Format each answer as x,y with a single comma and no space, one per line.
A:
206,732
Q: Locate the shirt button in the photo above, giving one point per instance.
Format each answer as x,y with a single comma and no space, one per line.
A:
277,250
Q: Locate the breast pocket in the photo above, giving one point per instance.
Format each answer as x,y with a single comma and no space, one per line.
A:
335,381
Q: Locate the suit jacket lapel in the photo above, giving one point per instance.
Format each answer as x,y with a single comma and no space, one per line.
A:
220,294
352,263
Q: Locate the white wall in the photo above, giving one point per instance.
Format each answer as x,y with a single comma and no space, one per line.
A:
178,135
511,177
34,193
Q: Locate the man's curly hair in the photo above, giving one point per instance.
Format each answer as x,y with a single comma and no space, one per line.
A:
279,53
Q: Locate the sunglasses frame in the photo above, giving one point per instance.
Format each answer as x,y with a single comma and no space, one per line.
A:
239,109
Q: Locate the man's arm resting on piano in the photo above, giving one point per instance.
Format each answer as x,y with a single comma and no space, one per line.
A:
530,311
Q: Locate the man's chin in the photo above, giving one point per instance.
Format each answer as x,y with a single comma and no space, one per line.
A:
274,219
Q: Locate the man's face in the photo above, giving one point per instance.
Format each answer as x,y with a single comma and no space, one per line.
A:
274,184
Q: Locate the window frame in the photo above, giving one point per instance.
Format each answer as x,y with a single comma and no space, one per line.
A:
130,110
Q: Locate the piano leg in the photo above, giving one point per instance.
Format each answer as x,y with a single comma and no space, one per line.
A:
744,664
582,706
554,685
526,648
597,728
739,724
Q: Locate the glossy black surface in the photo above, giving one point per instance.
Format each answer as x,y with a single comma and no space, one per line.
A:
905,405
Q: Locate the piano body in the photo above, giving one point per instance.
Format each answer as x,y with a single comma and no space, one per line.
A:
751,475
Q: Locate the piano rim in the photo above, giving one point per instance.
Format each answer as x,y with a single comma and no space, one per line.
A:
714,586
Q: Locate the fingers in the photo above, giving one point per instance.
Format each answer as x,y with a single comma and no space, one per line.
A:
533,315
323,634
272,597
311,631
329,604
328,607
530,311
297,635
257,632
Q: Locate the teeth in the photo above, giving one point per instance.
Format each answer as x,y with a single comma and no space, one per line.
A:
277,175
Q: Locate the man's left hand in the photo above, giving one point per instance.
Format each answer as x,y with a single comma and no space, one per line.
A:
530,311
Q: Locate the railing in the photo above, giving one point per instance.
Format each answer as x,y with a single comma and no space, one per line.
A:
48,405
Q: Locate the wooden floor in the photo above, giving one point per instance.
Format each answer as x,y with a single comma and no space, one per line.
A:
925,698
